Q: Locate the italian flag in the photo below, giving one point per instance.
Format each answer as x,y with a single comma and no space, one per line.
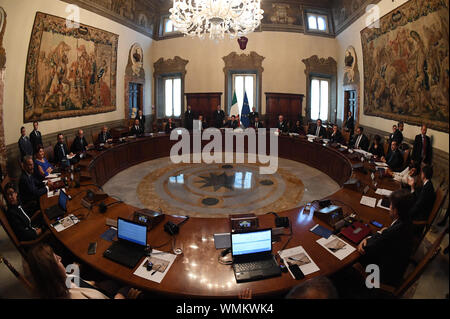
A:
234,106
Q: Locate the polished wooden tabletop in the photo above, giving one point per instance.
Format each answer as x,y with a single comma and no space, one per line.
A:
197,272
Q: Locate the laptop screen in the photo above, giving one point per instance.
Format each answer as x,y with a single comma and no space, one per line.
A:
251,243
132,232
62,200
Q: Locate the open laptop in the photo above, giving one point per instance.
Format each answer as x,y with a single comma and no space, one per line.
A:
252,255
131,244
60,209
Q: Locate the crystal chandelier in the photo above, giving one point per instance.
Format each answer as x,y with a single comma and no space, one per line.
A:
216,17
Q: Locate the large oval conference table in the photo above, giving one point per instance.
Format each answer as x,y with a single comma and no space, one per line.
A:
197,273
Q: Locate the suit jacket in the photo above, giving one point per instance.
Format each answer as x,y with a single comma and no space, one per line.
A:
58,151
322,131
282,127
350,125
36,139
363,144
394,160
390,250
20,224
424,201
337,138
188,119
141,120
169,129
252,116
25,146
257,125
103,138
218,118
417,150
136,130
79,145
30,188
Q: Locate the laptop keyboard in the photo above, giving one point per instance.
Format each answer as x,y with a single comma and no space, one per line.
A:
250,266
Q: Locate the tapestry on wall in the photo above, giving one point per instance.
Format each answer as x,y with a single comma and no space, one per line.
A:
71,71
406,64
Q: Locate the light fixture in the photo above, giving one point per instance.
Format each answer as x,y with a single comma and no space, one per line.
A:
216,17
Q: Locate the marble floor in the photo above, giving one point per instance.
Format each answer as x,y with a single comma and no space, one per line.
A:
217,190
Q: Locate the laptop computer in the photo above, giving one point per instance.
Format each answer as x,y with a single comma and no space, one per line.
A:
252,255
131,244
60,209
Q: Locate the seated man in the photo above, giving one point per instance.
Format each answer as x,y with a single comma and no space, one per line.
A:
170,126
218,117
282,125
18,219
422,150
140,116
360,140
423,198
104,136
253,115
336,136
394,158
60,150
136,129
25,146
391,247
30,187
257,123
188,118
79,144
316,288
318,130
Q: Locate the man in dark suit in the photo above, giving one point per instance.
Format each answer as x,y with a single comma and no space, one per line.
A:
257,124
104,136
360,140
25,146
18,218
399,133
36,137
140,116
136,129
318,130
170,126
60,150
79,144
30,187
390,249
188,118
394,157
424,197
253,115
282,125
422,150
218,117
336,135
349,124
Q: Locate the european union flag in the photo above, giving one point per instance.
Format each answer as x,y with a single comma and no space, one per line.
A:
245,120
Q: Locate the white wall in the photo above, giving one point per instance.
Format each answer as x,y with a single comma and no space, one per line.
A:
352,36
284,71
21,15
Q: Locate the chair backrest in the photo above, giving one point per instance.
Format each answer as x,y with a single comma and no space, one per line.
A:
420,268
386,147
18,275
440,197
406,155
5,181
94,137
4,222
49,153
346,136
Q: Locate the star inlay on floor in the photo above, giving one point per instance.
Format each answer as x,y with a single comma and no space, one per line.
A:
217,181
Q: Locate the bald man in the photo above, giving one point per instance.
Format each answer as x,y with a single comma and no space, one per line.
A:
80,144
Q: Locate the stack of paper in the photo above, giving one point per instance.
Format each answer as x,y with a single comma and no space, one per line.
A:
54,193
298,256
65,223
384,192
161,264
368,201
336,246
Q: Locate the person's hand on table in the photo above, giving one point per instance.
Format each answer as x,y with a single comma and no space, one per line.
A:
245,294
361,246
49,170
383,159
133,293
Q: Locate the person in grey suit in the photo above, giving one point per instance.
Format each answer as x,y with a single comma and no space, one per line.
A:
25,146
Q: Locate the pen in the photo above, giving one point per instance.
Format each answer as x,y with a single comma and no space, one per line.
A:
156,270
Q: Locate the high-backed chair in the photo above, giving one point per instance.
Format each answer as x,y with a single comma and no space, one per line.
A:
346,136
22,246
17,274
386,147
405,158
49,153
94,136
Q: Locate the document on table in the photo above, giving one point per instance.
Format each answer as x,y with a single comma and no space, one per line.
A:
381,191
381,206
161,264
382,164
368,201
65,223
54,193
336,246
298,256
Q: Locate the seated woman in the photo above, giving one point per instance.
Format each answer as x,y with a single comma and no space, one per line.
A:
51,281
42,167
298,129
377,149
336,136
18,218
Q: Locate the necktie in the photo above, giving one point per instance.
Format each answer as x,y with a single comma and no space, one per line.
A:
357,141
62,148
318,131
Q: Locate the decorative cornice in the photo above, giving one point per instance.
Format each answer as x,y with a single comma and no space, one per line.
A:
174,65
320,65
252,61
